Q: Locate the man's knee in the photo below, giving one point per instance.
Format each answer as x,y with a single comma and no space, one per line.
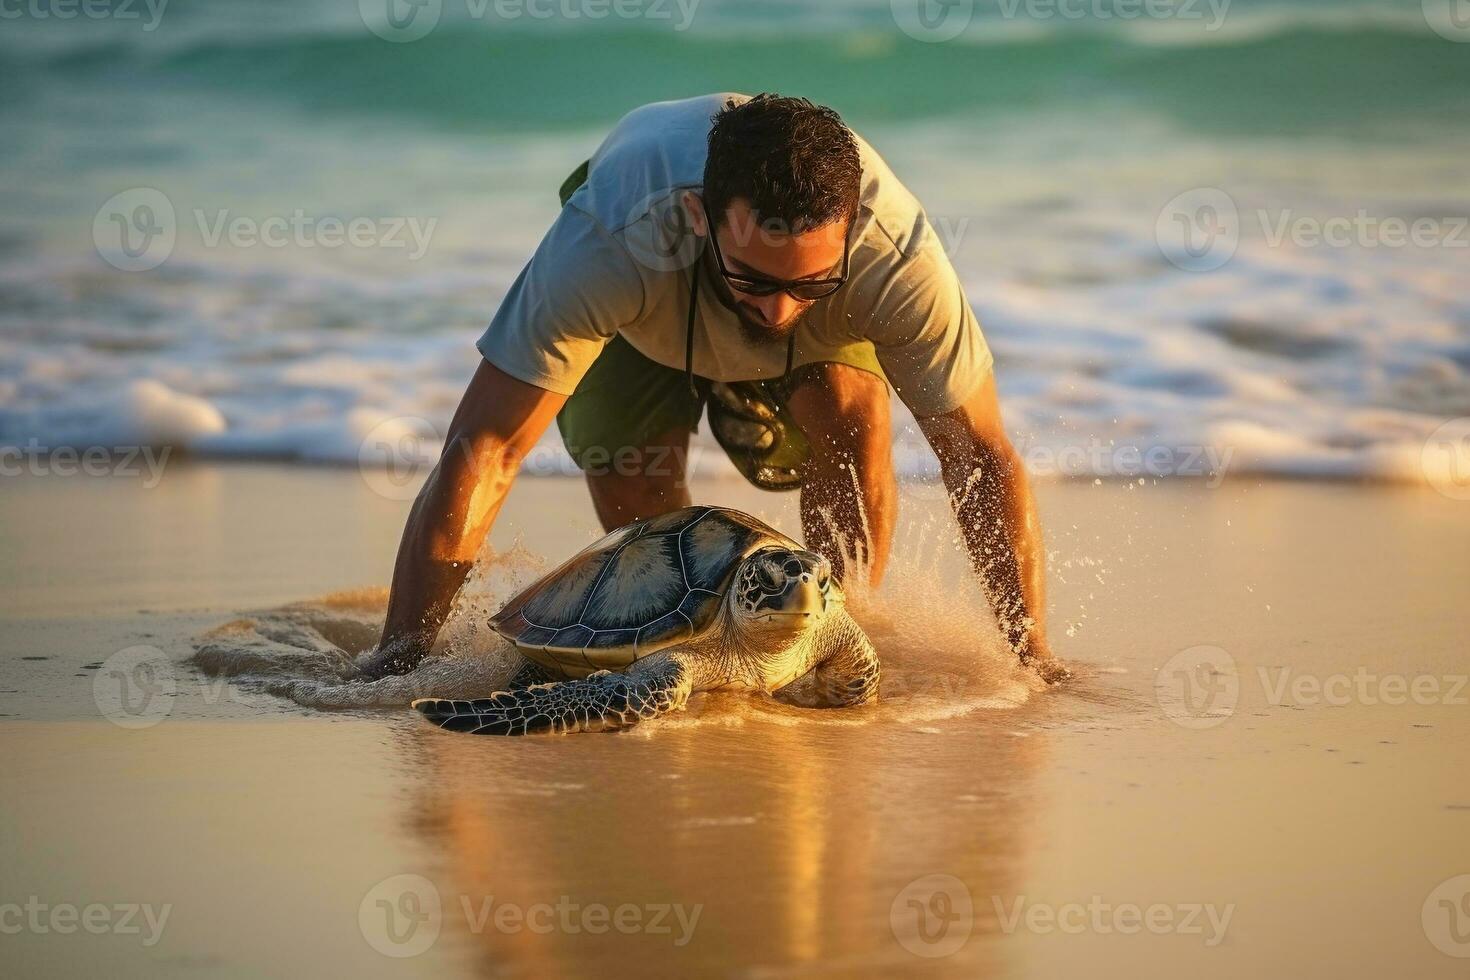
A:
631,483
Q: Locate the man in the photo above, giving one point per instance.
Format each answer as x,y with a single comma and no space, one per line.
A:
755,257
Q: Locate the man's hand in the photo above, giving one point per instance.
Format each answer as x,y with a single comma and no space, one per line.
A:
992,500
497,422
396,657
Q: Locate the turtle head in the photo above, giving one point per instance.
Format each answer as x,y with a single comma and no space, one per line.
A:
783,591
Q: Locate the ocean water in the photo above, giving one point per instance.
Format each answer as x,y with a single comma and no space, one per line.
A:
1217,239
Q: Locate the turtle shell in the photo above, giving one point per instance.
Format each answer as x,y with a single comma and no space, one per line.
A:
644,587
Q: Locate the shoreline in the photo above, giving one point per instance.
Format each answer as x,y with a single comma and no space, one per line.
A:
168,455
347,519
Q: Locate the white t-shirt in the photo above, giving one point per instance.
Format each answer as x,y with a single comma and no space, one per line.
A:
617,261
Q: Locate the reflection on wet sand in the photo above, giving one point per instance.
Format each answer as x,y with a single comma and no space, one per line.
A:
790,842
744,830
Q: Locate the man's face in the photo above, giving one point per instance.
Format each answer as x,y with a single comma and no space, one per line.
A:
769,252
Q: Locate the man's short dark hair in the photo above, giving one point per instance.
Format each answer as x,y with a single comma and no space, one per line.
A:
793,161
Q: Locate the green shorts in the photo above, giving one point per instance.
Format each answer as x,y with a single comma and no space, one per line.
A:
626,400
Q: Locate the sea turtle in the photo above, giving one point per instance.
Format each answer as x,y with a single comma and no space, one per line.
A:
696,599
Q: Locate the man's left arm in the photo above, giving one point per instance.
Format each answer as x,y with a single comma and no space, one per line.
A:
992,500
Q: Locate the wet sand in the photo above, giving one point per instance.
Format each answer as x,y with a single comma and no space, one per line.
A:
1258,768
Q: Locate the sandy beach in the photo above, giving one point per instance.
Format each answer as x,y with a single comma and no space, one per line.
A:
1257,769
1217,250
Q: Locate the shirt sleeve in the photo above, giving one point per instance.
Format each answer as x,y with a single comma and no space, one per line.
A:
925,334
579,288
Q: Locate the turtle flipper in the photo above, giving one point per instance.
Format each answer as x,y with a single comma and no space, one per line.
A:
651,687
527,674
848,671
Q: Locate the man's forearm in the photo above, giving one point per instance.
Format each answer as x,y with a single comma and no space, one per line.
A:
424,586
497,422
997,515
992,499
444,533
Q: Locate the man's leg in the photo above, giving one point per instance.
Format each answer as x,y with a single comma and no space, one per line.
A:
848,488
627,427
641,481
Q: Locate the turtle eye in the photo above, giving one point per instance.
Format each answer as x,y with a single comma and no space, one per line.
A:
769,574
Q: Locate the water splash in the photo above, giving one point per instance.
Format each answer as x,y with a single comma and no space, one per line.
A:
309,652
942,651
943,655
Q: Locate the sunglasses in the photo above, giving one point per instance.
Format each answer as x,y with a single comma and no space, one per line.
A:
805,290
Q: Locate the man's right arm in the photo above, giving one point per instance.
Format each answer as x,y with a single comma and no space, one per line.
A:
498,421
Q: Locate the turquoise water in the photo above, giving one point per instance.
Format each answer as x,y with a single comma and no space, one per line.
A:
1252,67
1048,149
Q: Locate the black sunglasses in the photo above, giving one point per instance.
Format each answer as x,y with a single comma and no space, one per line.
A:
801,289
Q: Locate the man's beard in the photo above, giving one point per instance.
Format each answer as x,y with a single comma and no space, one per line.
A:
754,330
757,333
